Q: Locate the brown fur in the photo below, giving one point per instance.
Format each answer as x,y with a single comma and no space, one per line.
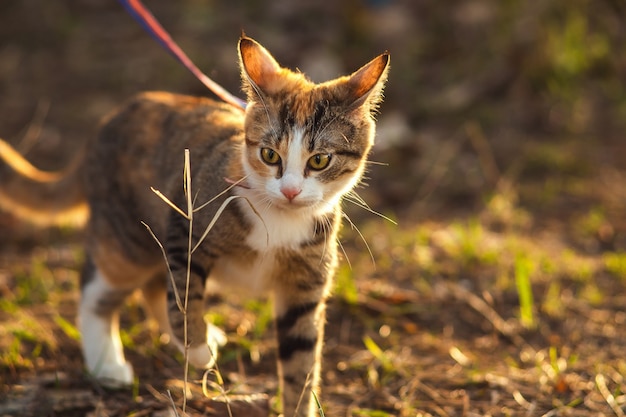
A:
278,235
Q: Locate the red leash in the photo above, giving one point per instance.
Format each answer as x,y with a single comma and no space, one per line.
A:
154,28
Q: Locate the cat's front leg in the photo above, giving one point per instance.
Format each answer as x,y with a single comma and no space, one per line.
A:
185,299
300,325
201,339
300,310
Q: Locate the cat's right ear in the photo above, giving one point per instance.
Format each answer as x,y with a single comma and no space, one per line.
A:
259,69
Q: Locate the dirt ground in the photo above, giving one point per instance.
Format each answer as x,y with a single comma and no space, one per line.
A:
500,154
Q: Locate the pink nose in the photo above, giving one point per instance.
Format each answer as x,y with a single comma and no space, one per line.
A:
290,192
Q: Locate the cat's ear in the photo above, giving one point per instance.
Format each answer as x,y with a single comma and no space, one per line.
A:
365,86
259,69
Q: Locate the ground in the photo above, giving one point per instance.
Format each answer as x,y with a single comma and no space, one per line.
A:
494,283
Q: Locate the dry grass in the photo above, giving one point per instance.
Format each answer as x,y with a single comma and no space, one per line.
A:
439,327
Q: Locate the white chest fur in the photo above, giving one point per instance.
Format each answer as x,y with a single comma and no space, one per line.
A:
274,228
271,230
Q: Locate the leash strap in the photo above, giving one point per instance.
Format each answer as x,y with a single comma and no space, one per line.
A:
142,15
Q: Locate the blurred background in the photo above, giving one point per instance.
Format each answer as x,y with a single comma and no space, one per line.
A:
479,90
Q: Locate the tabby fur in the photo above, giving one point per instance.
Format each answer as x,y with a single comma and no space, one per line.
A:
295,151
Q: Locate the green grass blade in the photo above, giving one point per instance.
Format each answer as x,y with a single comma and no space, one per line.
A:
523,269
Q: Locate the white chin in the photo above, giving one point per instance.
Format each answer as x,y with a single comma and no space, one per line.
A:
297,205
293,205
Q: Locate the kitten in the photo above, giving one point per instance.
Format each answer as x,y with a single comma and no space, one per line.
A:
297,149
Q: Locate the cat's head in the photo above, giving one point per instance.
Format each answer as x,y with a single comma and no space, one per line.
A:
306,144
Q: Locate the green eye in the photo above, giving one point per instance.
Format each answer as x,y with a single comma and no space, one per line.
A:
270,156
319,161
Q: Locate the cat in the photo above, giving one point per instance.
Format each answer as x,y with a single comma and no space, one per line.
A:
285,162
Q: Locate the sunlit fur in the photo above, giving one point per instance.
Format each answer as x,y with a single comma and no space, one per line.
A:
275,231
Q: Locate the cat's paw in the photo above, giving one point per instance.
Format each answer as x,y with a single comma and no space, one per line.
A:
215,336
204,356
114,375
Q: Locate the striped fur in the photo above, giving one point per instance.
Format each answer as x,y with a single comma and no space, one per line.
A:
278,235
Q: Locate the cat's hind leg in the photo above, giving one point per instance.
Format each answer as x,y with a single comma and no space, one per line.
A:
154,294
99,327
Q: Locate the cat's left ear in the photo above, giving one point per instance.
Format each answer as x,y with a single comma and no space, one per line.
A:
259,69
365,86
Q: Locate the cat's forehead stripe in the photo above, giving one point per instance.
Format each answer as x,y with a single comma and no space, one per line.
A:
304,108
309,111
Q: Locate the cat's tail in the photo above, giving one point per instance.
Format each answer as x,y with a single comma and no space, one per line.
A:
41,197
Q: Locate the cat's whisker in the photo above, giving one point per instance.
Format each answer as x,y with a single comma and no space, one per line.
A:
329,226
326,226
354,195
356,199
345,254
355,228
385,164
265,204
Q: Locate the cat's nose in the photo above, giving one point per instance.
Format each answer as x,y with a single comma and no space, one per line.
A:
290,192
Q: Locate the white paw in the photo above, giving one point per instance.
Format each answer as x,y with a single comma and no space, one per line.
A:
204,356
215,336
114,375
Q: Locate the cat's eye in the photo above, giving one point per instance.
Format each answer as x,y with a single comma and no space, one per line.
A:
270,156
319,161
